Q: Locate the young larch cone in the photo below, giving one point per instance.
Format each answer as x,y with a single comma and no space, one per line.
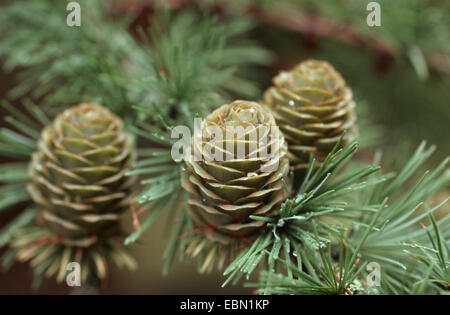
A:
313,107
78,182
244,178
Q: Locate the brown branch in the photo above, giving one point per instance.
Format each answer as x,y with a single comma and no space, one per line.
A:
320,27
305,24
326,28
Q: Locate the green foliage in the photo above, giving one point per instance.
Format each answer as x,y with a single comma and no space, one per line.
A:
404,104
405,23
188,65
64,65
316,272
17,141
7,232
377,226
195,66
101,61
292,228
435,259
344,215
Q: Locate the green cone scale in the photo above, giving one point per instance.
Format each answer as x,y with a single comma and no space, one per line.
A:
79,185
313,107
224,194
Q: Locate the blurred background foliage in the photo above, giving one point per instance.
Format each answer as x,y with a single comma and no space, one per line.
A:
399,72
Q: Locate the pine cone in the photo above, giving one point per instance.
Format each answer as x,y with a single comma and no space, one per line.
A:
313,107
79,182
223,194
